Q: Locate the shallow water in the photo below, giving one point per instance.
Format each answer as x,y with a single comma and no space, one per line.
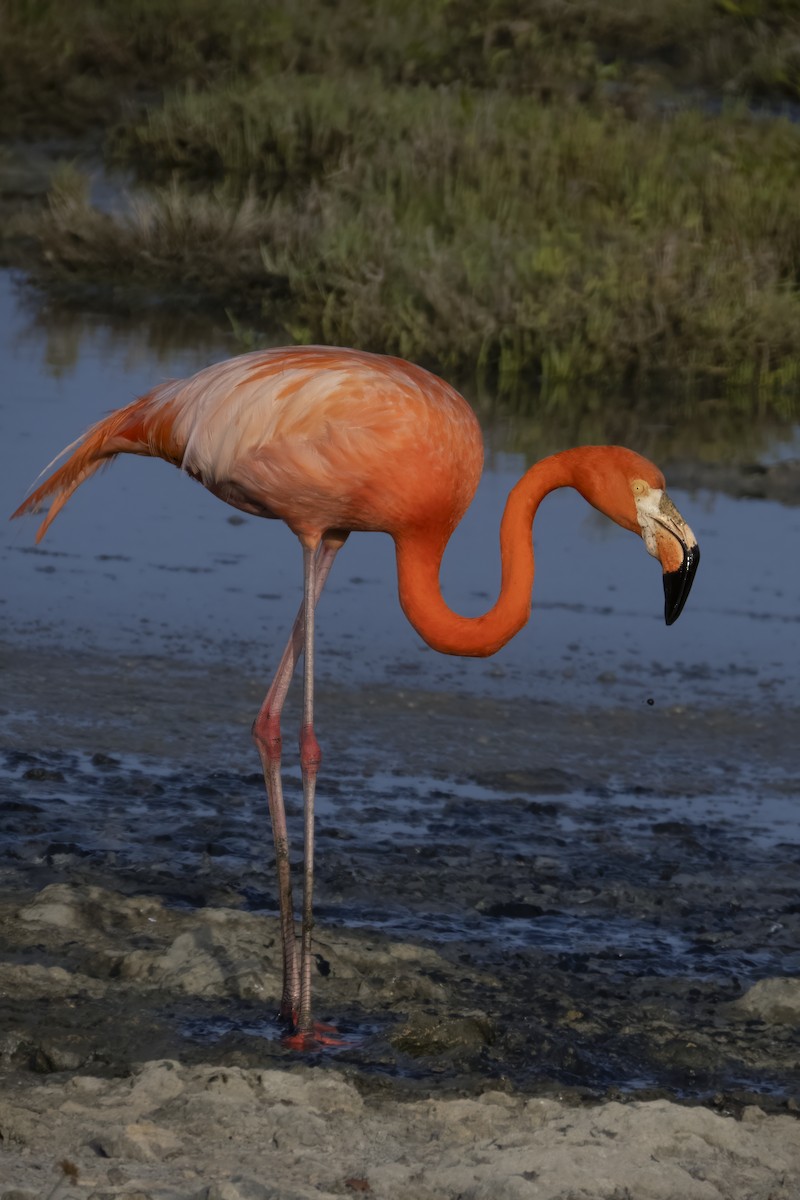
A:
607,807
145,561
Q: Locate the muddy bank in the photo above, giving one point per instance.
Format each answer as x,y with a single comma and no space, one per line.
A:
93,979
601,884
174,1131
137,1063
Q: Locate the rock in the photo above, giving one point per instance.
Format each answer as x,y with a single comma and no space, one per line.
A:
32,980
51,1055
90,908
773,1000
221,955
442,1035
55,905
139,1142
220,1191
154,1085
18,1125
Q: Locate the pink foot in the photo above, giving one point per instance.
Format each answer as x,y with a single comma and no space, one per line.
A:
320,1037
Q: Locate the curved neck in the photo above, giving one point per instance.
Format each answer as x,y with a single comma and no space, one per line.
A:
419,557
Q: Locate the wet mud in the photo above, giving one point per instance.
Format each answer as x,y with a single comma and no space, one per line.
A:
510,894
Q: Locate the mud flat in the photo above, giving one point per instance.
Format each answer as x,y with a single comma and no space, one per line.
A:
88,1098
172,1131
562,944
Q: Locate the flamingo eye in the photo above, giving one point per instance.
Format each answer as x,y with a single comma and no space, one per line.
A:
639,487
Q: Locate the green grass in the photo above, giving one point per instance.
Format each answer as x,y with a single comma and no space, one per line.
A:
70,66
495,189
566,245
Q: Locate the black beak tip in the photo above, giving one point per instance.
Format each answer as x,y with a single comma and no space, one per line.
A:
678,584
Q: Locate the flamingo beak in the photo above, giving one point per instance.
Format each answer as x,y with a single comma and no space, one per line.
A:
678,583
669,539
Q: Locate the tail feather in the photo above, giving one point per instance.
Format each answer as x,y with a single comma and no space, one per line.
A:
127,431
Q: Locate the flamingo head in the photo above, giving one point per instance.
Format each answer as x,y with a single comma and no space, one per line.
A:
631,491
669,539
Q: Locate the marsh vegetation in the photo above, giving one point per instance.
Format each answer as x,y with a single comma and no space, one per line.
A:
527,194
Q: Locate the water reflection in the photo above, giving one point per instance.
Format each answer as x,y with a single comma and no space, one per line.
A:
61,333
143,560
665,426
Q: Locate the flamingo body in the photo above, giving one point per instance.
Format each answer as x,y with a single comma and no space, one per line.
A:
331,441
321,438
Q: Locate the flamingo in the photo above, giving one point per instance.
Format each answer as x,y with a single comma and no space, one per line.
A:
331,441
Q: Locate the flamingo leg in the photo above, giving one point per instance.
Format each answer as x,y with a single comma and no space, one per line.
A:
310,758
267,736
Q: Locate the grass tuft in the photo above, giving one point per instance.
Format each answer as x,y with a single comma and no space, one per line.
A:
503,188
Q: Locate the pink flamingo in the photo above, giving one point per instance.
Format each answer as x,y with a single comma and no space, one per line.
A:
331,441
